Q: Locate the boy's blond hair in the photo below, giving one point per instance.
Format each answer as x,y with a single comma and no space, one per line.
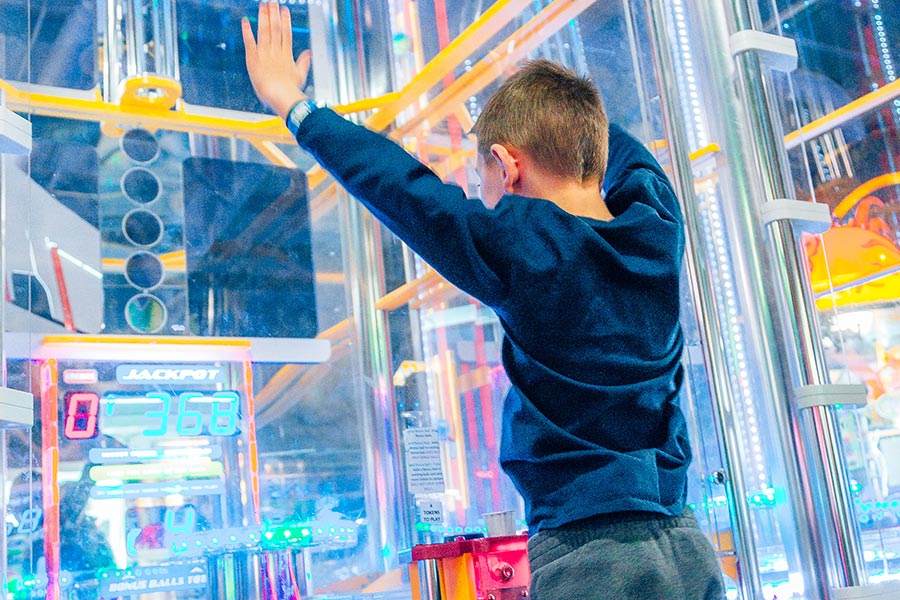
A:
552,114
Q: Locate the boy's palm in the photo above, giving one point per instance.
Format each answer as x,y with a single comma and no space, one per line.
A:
277,78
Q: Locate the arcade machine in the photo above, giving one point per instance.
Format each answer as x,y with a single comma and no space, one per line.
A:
225,410
148,282
146,448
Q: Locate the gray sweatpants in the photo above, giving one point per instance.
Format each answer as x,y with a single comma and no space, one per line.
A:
623,557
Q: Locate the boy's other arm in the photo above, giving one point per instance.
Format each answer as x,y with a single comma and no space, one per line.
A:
633,175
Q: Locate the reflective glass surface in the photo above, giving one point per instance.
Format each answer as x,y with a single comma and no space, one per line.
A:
236,370
840,117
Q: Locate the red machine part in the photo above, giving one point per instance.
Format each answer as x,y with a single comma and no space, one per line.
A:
493,568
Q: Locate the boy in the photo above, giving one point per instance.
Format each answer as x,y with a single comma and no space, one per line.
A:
587,294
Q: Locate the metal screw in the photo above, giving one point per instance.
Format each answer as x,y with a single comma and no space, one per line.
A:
719,477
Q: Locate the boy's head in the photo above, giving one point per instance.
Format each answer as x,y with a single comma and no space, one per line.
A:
553,116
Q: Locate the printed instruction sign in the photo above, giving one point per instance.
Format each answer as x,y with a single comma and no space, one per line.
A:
424,474
431,512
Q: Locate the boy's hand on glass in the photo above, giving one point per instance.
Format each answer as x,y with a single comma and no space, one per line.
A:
276,76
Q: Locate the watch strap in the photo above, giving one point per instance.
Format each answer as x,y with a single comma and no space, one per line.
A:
297,113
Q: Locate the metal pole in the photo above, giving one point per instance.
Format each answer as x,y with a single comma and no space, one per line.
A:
429,577
702,285
821,431
388,509
135,40
746,234
140,40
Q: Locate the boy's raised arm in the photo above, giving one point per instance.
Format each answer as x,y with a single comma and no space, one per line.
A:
633,175
434,219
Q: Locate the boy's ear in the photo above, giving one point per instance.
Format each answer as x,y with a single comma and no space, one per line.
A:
509,166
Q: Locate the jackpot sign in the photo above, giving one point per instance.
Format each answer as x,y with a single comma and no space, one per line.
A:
193,374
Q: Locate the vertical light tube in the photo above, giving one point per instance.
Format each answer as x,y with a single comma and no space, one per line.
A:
819,425
49,374
702,286
386,503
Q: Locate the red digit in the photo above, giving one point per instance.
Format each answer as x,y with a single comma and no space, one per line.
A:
81,415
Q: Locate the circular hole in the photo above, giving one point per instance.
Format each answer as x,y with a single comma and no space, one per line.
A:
143,270
142,227
141,185
145,313
140,145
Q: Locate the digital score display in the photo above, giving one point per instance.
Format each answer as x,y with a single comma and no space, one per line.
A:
157,414
81,415
160,452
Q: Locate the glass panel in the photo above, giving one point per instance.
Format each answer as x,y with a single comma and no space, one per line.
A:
840,114
21,537
211,51
21,509
49,43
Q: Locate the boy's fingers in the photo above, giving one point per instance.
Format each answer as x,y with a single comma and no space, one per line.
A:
249,42
303,62
287,41
263,34
274,25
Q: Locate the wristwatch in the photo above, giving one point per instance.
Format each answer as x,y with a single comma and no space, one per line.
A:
297,113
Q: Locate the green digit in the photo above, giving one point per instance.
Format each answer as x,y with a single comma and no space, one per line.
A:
195,428
161,414
230,414
188,519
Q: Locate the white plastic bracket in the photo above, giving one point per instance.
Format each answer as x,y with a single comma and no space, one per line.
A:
777,52
15,133
887,590
16,408
852,394
811,217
